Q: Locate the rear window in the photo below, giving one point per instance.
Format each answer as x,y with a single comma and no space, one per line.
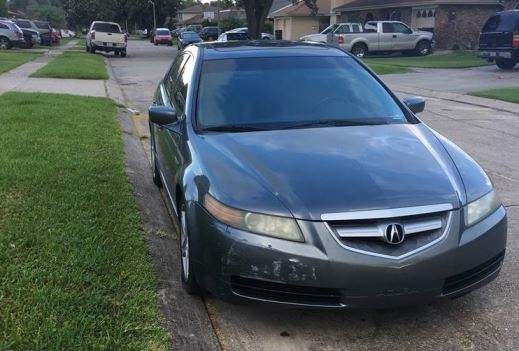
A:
508,22
106,28
163,32
42,25
23,24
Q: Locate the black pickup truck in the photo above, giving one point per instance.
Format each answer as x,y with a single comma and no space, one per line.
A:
499,39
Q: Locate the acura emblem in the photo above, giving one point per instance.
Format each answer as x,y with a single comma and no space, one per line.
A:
394,234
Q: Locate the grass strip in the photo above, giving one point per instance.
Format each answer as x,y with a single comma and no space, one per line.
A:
13,59
458,59
74,65
504,94
75,273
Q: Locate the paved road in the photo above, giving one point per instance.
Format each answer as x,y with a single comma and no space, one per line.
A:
484,320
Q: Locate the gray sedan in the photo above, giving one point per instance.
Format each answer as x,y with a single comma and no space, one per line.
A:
299,179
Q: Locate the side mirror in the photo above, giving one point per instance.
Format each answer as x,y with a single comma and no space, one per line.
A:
162,115
415,103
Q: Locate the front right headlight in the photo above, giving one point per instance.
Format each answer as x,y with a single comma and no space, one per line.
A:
481,208
275,226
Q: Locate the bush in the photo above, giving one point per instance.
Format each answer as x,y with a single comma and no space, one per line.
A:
231,23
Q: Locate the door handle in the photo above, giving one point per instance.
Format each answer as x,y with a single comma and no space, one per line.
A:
394,35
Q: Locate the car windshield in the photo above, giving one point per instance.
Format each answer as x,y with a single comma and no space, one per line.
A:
330,29
106,28
163,32
281,92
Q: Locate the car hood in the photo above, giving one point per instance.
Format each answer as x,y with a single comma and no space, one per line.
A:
316,171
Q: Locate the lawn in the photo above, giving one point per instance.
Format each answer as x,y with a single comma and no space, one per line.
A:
79,65
458,59
506,94
74,269
382,68
12,59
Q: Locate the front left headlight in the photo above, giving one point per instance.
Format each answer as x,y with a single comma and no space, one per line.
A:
275,226
481,208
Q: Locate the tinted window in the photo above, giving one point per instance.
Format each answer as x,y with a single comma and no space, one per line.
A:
283,90
23,24
355,28
190,36
42,25
106,28
329,29
163,32
171,77
400,28
343,30
3,26
502,23
237,36
182,84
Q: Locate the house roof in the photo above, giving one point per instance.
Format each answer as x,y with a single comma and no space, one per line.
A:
201,8
357,5
300,9
278,4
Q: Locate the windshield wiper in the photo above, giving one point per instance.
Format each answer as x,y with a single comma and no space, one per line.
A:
336,123
234,128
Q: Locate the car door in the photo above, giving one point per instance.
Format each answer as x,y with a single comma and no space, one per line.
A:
403,37
165,155
172,136
386,37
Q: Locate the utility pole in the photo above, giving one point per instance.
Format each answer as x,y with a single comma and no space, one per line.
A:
218,14
154,16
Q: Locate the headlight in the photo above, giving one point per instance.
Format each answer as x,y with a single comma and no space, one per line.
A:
279,227
481,208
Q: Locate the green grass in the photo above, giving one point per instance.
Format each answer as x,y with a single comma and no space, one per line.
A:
458,59
79,65
505,94
382,68
12,59
75,273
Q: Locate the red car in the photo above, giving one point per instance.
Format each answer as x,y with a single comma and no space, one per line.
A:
163,36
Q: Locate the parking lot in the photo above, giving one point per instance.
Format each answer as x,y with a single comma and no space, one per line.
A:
483,320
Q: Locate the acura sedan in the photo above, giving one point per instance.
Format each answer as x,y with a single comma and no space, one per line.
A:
300,179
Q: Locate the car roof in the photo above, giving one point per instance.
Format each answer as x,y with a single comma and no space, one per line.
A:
266,48
162,29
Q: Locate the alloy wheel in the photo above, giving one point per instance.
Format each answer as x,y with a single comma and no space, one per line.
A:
184,246
4,44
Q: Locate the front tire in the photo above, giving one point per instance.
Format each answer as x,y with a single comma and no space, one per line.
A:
506,64
123,53
359,50
92,50
423,48
187,272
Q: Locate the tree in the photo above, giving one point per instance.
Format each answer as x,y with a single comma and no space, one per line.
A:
55,15
257,11
3,8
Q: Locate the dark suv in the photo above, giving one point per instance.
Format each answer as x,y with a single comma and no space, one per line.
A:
41,26
210,33
499,39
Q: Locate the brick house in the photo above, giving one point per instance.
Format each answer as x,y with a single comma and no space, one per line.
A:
295,20
456,23
195,14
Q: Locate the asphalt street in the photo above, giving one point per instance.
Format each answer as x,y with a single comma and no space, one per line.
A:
486,319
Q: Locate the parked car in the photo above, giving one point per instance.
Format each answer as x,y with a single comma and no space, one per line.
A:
31,37
499,39
335,29
264,36
299,178
10,35
387,36
233,36
107,37
162,36
194,28
176,32
41,26
210,33
186,38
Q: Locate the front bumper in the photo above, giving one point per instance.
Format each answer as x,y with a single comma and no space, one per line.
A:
238,266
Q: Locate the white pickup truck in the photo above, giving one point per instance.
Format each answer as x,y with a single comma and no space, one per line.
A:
377,36
107,37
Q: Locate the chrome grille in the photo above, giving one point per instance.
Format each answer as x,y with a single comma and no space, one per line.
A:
367,235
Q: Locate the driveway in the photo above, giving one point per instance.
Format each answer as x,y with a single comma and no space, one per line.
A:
457,80
484,320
